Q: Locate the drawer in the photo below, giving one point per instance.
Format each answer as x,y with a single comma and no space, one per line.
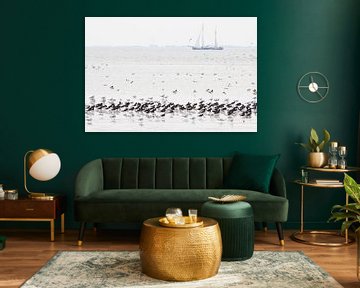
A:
28,209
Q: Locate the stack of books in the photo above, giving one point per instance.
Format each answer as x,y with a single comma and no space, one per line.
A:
327,181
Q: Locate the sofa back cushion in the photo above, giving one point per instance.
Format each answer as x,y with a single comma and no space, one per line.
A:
165,173
251,172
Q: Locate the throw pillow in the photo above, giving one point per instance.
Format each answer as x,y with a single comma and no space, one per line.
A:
251,172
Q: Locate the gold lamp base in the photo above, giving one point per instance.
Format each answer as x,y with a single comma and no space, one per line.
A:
41,196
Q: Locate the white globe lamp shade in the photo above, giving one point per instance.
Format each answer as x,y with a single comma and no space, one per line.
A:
44,164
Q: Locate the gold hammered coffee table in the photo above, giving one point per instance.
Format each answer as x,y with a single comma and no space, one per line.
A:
180,254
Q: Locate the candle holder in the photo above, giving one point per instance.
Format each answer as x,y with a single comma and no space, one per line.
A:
342,153
333,161
304,176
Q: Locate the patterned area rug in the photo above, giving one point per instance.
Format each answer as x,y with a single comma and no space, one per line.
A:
122,269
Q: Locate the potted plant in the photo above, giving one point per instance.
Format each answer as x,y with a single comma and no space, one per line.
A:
350,213
317,157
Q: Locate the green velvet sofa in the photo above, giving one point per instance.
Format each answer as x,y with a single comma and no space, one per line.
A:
130,190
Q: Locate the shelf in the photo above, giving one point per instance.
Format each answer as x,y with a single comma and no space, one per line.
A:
317,237
313,184
348,169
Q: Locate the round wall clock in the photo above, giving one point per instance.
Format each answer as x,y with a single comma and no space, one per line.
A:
313,87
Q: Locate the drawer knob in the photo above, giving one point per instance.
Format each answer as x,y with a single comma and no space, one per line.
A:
29,209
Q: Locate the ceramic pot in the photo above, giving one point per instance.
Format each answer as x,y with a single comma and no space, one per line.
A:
317,159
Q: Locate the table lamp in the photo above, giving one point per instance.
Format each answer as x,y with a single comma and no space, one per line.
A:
43,165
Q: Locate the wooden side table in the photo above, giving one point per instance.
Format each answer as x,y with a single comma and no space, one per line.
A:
297,235
26,209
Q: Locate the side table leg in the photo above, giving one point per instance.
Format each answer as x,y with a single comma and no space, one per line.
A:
52,230
302,210
63,223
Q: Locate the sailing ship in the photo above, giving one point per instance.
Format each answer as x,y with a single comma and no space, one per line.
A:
200,42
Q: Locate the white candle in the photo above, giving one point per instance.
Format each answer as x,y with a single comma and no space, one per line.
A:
342,149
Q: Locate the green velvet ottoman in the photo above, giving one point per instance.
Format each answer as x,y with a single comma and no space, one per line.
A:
236,221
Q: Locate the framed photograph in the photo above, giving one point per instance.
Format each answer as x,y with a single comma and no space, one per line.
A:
170,74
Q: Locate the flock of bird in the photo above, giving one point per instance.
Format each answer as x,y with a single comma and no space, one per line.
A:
163,108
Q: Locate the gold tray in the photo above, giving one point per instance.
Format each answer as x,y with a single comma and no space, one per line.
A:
165,222
228,198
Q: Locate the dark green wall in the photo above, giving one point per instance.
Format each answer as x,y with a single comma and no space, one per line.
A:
42,88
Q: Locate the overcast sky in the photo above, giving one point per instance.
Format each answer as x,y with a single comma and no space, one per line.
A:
177,31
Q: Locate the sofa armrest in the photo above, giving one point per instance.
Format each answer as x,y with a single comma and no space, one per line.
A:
277,184
89,179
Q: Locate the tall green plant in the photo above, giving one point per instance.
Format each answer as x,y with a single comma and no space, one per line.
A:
349,214
314,144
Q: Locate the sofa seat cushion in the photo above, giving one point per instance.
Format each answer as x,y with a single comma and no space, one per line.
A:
266,207
178,195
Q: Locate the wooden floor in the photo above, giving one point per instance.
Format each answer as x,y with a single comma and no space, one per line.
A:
28,250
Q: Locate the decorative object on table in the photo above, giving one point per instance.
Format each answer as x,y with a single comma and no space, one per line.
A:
228,198
187,223
313,87
2,192
11,194
350,213
328,182
121,268
180,254
2,242
193,215
333,150
342,153
174,215
236,221
316,158
184,80
43,165
304,176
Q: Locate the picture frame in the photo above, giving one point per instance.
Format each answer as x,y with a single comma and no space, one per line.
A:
170,74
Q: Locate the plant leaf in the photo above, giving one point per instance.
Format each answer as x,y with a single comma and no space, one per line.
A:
346,225
337,216
350,207
306,146
321,146
312,144
352,188
326,136
314,135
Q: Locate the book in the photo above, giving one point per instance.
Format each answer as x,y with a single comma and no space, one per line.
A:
327,181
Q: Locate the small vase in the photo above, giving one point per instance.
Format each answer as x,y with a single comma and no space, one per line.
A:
317,159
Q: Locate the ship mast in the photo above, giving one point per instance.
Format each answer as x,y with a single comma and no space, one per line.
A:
202,36
215,42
